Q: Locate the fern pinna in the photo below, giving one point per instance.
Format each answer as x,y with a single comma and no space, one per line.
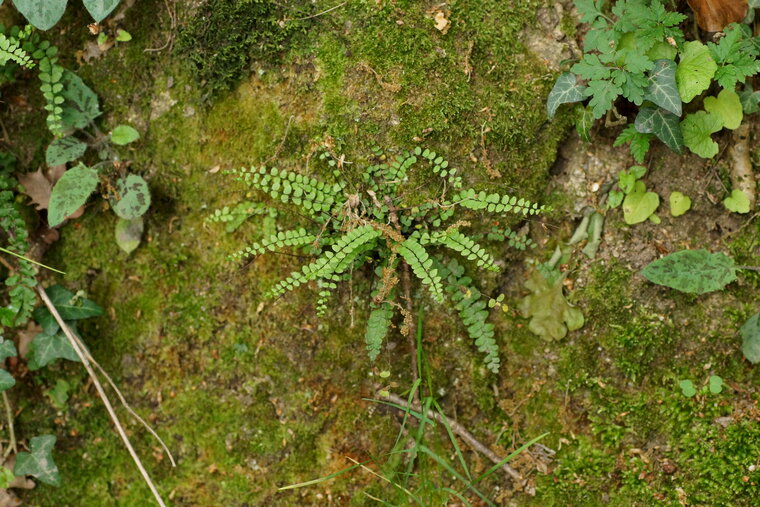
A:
379,219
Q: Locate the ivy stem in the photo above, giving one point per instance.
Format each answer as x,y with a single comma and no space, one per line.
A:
11,431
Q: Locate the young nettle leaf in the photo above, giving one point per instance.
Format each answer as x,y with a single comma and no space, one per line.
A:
43,14
695,70
662,89
565,90
134,197
639,204
99,9
66,149
727,107
697,129
71,192
692,271
124,134
39,462
750,332
737,202
663,124
679,204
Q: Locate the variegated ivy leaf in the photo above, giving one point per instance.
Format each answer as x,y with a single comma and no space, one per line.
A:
565,90
99,9
663,124
71,192
39,462
692,271
134,197
662,89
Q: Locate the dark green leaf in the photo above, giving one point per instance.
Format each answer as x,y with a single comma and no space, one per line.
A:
663,124
124,134
46,348
39,463
565,90
81,106
692,271
42,14
750,332
69,306
662,89
99,9
7,349
6,380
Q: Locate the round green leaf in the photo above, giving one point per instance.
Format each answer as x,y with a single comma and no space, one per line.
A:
687,388
715,384
124,134
679,204
134,197
727,107
71,192
737,202
639,204
696,129
129,233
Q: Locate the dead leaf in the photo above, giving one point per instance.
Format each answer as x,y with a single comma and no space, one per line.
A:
25,337
715,15
441,22
38,185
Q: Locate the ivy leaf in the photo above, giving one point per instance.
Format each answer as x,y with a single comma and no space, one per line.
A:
129,233
69,306
737,202
124,134
565,90
639,204
39,463
662,89
727,107
696,129
687,388
6,380
679,203
134,197
42,14
64,150
603,95
750,100
99,9
695,70
750,332
584,120
663,124
71,192
46,348
692,271
7,349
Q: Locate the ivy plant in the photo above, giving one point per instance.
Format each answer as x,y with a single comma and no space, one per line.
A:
44,14
382,221
635,51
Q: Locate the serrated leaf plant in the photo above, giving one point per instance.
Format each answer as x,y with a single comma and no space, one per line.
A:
636,51
380,221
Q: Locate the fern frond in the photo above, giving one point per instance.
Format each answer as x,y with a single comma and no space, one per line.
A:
513,239
52,89
422,266
496,203
440,166
326,287
295,237
344,252
378,324
463,245
11,50
312,195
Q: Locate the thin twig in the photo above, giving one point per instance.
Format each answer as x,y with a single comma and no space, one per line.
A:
76,345
321,13
11,432
462,432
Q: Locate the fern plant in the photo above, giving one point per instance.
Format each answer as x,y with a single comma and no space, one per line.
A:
381,220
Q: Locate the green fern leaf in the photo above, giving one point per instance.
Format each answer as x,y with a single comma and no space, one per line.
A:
422,266
377,328
296,238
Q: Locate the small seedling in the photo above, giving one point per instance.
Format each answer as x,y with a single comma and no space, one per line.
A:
714,386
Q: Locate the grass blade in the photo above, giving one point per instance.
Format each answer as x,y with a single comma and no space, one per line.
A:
456,474
453,439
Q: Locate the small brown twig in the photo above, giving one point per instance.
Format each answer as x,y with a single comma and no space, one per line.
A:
11,431
79,348
460,430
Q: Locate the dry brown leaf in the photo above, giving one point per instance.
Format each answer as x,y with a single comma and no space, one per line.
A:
715,15
25,337
38,187
441,21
